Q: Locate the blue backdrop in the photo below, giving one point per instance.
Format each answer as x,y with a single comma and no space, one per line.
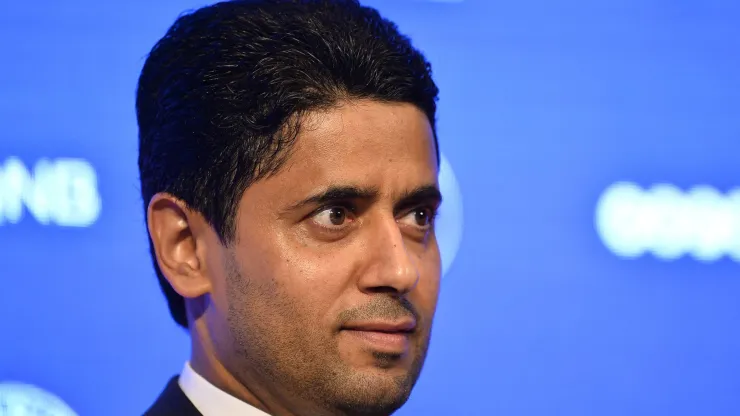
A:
596,146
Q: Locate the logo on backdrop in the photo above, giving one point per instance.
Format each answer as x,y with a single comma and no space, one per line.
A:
449,225
17,399
668,222
61,192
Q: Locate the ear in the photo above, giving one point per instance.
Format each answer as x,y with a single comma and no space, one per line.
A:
179,242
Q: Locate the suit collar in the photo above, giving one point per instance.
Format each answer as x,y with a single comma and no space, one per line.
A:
209,399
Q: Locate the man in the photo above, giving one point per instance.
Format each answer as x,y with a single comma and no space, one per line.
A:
288,163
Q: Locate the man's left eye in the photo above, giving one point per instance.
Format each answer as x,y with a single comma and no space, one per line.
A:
419,217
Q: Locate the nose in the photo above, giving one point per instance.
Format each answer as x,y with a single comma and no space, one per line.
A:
393,269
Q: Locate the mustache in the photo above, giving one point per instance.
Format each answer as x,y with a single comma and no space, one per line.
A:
389,308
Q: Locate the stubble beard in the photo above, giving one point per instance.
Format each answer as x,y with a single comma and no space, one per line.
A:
299,370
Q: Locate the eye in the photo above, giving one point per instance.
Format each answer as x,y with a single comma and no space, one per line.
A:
420,218
333,217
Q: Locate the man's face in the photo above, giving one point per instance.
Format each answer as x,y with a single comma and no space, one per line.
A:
327,295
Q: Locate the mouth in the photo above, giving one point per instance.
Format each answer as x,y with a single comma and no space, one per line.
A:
385,337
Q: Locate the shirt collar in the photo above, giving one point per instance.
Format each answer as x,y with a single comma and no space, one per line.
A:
209,399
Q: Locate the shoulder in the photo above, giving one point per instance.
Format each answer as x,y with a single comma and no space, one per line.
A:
172,402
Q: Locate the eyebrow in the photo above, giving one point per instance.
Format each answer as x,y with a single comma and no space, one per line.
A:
423,194
338,193
427,194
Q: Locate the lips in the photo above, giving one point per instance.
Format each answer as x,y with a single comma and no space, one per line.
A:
405,326
382,336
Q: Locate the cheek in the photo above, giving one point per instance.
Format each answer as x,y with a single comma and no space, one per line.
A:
316,280
298,281
427,290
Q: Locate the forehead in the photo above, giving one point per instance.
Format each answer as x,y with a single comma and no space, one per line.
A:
385,145
358,126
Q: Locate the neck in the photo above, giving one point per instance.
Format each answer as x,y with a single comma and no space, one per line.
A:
206,363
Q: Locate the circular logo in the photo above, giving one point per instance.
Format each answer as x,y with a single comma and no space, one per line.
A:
449,225
668,222
18,399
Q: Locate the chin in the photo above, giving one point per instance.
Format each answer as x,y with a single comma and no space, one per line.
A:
375,391
373,405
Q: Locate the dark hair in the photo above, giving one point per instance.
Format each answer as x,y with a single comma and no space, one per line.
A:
220,95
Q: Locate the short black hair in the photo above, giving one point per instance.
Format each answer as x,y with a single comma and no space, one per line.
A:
220,96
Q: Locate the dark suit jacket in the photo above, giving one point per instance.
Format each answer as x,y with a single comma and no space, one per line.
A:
172,402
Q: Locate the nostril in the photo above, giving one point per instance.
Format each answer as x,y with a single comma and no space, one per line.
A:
383,289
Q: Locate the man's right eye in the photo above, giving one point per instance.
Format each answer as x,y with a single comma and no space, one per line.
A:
333,218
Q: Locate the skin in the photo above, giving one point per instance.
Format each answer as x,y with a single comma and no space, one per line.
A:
270,313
